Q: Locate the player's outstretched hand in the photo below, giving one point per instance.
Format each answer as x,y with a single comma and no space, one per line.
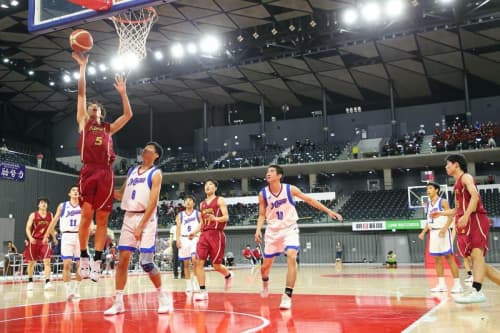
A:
258,236
335,216
120,84
80,58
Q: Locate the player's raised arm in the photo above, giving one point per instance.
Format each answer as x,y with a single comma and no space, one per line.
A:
81,109
121,86
314,203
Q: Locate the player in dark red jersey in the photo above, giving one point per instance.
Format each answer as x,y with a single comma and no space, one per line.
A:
96,176
473,226
37,232
212,242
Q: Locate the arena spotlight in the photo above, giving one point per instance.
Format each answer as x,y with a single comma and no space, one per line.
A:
52,83
118,63
394,8
210,44
31,72
91,70
76,75
291,27
240,38
14,3
274,31
191,48
177,51
103,67
66,78
255,35
313,23
158,55
446,2
350,16
370,12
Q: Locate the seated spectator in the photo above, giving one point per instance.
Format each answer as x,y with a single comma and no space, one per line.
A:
257,254
491,142
248,255
391,260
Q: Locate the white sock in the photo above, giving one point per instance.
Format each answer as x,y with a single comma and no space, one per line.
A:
441,281
456,281
119,296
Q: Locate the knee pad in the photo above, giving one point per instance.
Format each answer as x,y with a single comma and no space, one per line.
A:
147,264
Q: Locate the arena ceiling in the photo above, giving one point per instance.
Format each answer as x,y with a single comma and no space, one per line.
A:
423,56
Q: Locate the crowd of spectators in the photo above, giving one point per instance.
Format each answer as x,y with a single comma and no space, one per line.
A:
461,136
408,145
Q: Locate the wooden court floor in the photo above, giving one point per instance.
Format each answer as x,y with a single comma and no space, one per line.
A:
359,298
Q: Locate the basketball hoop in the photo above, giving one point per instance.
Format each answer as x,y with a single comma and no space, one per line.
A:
133,29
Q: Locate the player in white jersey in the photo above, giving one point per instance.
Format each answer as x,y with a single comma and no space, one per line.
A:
68,214
139,195
440,239
188,221
277,207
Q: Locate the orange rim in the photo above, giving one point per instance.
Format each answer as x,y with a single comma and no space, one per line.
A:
146,20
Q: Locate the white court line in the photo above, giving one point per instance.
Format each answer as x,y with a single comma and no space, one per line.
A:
425,316
265,322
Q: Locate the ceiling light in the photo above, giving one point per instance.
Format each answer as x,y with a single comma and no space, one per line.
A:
370,12
350,16
102,67
4,5
5,60
91,70
177,51
66,78
274,31
210,45
313,23
291,27
158,55
31,72
239,38
51,83
14,3
394,8
255,35
76,75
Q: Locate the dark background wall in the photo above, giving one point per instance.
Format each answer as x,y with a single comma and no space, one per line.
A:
19,198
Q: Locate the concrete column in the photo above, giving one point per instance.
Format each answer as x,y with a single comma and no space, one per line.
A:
388,179
244,185
471,168
313,178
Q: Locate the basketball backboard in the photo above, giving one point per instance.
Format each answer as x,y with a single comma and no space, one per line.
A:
51,15
417,196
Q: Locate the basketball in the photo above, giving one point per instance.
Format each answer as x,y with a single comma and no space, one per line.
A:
81,40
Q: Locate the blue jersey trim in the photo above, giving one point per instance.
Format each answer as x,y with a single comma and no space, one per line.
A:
150,177
126,248
289,194
148,250
263,191
63,208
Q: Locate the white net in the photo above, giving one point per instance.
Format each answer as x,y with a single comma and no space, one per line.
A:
133,29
